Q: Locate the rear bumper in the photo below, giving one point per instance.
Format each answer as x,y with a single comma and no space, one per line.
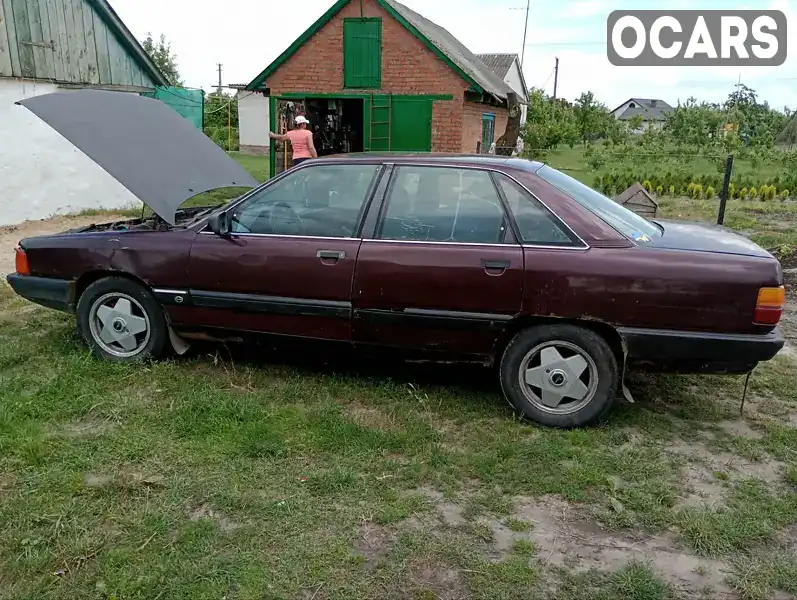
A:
52,293
699,352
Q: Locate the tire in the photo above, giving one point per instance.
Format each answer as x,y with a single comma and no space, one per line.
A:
593,390
132,331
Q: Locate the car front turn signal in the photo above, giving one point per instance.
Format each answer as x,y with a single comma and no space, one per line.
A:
769,307
21,261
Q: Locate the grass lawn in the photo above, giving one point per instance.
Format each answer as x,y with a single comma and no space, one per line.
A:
282,474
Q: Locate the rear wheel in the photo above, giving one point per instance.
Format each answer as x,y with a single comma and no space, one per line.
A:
560,375
121,320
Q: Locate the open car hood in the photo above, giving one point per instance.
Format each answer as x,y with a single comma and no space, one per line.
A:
145,145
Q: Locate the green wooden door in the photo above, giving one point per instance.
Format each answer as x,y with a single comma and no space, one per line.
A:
411,124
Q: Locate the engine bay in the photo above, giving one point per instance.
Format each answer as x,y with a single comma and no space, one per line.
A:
147,222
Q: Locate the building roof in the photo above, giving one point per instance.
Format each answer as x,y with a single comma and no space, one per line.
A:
500,65
82,51
436,38
651,109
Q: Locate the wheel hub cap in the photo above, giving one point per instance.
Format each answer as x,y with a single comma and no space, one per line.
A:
565,383
116,326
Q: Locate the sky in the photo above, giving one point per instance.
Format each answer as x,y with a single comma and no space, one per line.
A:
246,35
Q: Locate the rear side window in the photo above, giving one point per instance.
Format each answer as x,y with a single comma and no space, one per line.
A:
440,204
536,223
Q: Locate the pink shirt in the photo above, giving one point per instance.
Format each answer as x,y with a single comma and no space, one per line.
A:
300,141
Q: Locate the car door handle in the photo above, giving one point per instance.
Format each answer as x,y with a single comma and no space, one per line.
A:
330,255
496,265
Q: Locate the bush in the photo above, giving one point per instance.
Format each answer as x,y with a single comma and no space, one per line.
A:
697,191
672,190
659,190
744,193
753,193
731,191
647,185
784,194
710,193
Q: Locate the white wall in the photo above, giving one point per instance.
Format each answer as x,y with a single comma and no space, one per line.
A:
514,81
41,173
253,120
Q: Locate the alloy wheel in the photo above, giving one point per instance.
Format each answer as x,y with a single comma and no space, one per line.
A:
558,377
119,324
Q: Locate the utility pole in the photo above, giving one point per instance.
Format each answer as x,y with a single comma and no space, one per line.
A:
220,84
525,31
555,85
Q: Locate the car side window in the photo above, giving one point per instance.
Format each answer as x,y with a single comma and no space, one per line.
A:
443,204
536,223
318,201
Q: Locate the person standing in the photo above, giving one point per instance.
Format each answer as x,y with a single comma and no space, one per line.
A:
301,140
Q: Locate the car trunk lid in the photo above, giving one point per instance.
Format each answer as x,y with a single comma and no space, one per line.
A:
145,145
704,238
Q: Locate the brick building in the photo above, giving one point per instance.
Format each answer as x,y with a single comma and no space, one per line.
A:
373,75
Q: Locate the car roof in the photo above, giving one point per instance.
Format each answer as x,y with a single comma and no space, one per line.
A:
476,160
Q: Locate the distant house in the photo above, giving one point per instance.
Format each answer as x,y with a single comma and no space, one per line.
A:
507,67
47,47
652,111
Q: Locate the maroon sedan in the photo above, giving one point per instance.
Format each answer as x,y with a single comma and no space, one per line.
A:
479,258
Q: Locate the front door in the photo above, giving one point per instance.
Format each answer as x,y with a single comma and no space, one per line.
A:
288,266
443,270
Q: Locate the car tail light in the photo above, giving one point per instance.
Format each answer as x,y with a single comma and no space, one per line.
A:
769,307
22,262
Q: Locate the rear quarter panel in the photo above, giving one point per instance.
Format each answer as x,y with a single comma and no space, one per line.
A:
648,287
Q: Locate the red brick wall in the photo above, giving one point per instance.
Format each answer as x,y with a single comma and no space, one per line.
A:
472,124
408,67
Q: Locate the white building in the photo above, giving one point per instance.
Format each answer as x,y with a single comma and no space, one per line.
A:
507,67
58,46
253,121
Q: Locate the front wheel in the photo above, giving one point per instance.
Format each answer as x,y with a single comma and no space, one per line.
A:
560,375
121,320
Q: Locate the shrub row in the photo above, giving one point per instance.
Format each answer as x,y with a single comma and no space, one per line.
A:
702,186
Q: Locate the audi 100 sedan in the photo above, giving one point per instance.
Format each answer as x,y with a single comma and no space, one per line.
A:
483,258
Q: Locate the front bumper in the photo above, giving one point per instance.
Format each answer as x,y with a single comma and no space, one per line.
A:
699,352
52,293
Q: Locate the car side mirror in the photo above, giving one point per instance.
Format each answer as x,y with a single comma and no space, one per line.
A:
220,223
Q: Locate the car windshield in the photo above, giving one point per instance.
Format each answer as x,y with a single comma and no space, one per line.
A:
623,220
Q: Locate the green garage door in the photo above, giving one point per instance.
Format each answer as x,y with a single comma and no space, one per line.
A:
401,124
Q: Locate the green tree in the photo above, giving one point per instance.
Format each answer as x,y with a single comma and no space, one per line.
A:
758,123
160,52
549,123
593,119
221,119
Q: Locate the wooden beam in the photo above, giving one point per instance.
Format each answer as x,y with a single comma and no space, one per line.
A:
91,46
27,64
54,33
101,47
70,46
5,51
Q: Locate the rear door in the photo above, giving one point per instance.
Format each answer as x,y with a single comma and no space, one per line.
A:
288,266
442,270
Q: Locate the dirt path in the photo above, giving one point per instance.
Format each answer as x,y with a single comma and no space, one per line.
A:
10,235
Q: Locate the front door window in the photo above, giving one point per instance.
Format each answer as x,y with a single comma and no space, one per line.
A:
317,201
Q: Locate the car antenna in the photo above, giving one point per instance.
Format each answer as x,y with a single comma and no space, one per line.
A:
744,394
